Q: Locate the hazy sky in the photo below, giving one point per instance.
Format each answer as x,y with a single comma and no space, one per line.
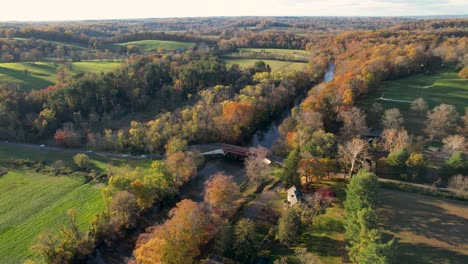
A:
107,9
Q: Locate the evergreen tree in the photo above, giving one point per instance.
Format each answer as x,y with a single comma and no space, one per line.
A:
290,175
289,226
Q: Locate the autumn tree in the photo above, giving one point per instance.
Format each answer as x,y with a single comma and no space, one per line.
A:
419,105
82,161
175,145
454,143
221,192
353,154
458,183
463,73
354,122
392,119
393,139
441,121
179,239
311,167
415,164
238,116
256,166
123,209
183,166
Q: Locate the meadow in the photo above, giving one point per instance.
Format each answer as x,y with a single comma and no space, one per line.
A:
428,229
34,202
149,45
276,65
444,86
287,54
39,75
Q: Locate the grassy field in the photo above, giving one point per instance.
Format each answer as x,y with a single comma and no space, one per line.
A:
148,45
294,54
443,87
428,229
33,202
42,74
275,65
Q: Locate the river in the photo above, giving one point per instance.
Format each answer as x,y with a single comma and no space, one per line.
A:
121,251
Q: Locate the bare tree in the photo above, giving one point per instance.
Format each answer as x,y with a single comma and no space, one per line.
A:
393,139
463,128
441,121
354,122
458,183
354,154
419,105
311,119
256,165
454,143
392,119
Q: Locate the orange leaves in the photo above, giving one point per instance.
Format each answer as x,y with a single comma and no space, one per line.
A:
177,240
221,192
240,113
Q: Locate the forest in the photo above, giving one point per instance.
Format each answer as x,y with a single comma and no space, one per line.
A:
137,114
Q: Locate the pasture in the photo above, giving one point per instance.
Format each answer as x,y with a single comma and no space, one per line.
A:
149,45
39,75
442,87
283,54
33,202
276,65
428,229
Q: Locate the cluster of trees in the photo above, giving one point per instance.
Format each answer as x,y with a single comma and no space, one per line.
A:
365,242
191,226
127,195
221,114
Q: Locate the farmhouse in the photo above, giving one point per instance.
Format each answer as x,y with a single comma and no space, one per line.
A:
294,196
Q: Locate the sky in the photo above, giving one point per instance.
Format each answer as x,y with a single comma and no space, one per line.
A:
34,10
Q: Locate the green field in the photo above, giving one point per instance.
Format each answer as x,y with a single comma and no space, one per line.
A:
443,87
39,75
149,45
428,229
275,65
33,202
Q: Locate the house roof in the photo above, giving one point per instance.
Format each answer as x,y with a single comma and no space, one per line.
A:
294,195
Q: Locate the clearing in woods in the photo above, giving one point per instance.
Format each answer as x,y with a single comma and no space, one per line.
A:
39,75
444,86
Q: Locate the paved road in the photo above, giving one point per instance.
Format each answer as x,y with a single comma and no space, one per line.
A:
73,150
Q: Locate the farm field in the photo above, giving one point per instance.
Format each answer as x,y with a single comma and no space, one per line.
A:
428,229
288,54
34,202
442,87
39,75
275,65
148,45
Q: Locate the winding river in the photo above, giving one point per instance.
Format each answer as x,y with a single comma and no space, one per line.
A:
121,251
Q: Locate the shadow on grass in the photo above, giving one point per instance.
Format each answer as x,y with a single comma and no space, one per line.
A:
422,253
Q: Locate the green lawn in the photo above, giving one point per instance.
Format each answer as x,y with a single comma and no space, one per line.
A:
443,87
275,65
428,229
33,202
42,74
148,45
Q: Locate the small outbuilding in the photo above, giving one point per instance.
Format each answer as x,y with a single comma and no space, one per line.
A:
294,196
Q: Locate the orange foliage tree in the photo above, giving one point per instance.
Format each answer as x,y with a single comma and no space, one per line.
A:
221,192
